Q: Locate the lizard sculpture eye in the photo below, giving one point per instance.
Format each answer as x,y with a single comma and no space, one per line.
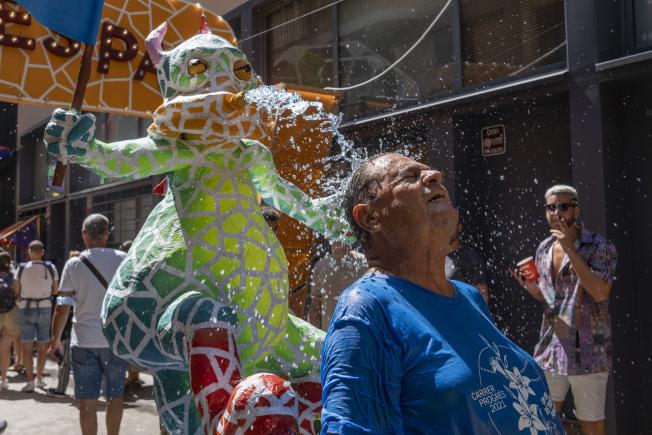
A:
242,70
197,66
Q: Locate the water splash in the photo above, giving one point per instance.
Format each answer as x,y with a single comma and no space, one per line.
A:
287,108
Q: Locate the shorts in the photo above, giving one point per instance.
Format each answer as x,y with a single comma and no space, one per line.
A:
35,324
92,365
589,393
9,324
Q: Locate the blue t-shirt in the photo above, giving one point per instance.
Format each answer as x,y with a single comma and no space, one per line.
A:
400,359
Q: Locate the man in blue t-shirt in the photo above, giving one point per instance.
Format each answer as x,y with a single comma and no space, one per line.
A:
407,350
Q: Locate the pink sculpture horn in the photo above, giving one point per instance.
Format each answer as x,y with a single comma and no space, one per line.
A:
154,43
203,26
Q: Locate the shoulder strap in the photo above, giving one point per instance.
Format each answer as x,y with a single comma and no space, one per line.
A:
50,267
94,270
21,267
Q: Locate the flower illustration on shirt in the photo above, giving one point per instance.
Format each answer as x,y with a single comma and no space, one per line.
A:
519,382
546,400
536,418
529,418
496,366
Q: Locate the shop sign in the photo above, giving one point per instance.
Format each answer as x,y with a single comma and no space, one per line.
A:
494,140
38,66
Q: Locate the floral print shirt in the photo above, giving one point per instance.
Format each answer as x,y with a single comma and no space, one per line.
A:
575,335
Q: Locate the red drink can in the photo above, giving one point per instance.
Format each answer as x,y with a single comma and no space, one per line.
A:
528,268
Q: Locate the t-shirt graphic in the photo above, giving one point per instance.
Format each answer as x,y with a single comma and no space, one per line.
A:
401,359
514,388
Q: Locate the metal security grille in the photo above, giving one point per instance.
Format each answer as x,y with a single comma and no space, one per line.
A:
300,52
126,210
502,38
300,29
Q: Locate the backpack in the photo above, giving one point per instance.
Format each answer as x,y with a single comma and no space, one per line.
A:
7,295
48,265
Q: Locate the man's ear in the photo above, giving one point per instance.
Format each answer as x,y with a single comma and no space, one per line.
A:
366,218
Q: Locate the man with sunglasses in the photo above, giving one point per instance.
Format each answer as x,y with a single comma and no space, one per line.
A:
576,268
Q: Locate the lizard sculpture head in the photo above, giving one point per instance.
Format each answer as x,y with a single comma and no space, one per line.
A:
202,64
203,81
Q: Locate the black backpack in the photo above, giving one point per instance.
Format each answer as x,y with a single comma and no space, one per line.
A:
7,294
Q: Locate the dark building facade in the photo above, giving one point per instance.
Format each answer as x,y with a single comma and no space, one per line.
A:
508,98
126,203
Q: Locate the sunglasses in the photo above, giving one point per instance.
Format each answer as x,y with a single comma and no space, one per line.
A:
564,206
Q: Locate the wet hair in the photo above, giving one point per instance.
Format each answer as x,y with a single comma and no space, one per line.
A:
363,188
561,189
96,226
35,245
5,261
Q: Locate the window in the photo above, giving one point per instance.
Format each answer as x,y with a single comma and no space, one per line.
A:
498,39
643,23
408,140
503,38
300,52
126,210
108,128
35,164
375,33
236,26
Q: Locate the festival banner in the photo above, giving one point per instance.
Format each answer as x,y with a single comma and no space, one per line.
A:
39,66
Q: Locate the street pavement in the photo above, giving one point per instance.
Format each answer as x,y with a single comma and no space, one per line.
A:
36,413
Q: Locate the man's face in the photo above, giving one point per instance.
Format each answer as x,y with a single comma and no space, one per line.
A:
561,207
413,203
35,254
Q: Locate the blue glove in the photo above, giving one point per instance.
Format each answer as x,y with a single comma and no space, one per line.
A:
68,134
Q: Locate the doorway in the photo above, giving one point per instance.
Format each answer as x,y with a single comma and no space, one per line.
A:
500,199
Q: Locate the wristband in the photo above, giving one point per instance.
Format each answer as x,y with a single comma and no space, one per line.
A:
65,300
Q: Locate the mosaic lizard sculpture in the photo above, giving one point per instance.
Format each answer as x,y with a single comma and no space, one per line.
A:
202,297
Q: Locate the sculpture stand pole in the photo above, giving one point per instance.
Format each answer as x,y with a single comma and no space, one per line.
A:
77,101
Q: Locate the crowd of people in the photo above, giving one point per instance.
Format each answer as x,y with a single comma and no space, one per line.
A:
27,312
411,343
